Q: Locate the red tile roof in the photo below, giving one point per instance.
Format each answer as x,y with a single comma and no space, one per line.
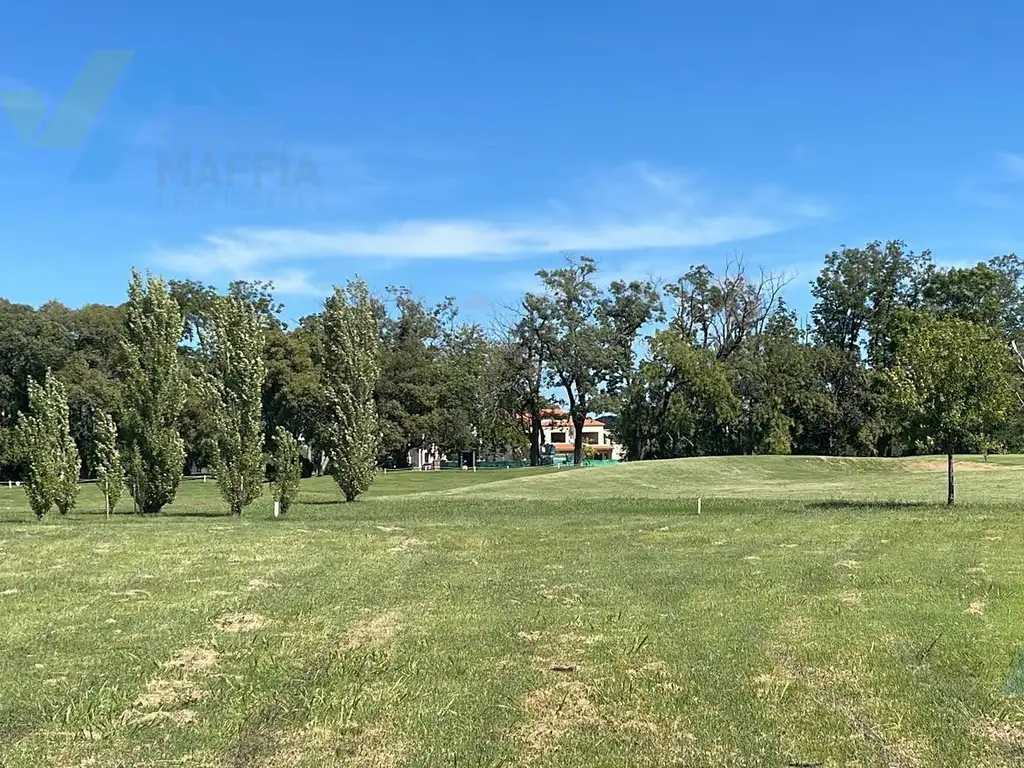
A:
564,419
568,447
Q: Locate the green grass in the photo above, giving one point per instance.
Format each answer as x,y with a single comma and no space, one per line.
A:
827,612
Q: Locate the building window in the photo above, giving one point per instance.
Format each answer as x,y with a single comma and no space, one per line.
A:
591,438
558,437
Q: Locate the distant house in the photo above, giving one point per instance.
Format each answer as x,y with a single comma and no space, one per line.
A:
559,433
426,456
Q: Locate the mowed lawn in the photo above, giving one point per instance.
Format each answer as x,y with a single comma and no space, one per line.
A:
824,612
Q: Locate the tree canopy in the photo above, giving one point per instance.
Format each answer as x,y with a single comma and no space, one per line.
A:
897,355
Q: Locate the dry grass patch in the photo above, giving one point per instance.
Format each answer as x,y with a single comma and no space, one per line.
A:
241,622
377,746
976,608
556,711
255,585
193,660
939,465
842,690
563,594
372,632
168,694
553,712
577,640
177,717
131,594
308,745
1006,736
405,545
350,744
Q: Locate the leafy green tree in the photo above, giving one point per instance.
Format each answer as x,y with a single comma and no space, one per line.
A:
199,421
88,373
979,294
351,365
51,455
287,466
31,343
858,292
780,383
463,398
198,424
109,470
292,394
505,421
412,381
523,377
586,334
951,384
195,300
679,404
153,391
992,294
233,341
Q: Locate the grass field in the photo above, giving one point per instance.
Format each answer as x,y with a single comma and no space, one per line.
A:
824,612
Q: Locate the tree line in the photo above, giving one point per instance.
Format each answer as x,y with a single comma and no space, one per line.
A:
898,356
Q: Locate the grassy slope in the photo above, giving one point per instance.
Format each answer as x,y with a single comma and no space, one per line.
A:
770,478
423,623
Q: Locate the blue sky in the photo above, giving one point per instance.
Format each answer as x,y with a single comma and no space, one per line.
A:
457,147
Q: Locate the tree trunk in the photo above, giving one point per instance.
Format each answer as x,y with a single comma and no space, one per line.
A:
951,494
577,444
536,432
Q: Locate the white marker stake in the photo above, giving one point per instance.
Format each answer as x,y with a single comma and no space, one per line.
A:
698,507
277,509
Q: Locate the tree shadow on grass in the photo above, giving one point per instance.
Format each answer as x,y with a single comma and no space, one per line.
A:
320,502
834,505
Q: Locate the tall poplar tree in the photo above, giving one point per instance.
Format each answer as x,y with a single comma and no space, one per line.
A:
287,468
154,392
234,341
48,448
109,470
351,364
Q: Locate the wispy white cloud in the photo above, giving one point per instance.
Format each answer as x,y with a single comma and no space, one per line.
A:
634,208
1000,186
294,283
1012,164
14,84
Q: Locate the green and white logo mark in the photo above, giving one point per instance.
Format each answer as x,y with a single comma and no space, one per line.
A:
76,114
75,122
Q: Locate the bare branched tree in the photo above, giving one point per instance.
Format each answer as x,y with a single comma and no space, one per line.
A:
720,312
